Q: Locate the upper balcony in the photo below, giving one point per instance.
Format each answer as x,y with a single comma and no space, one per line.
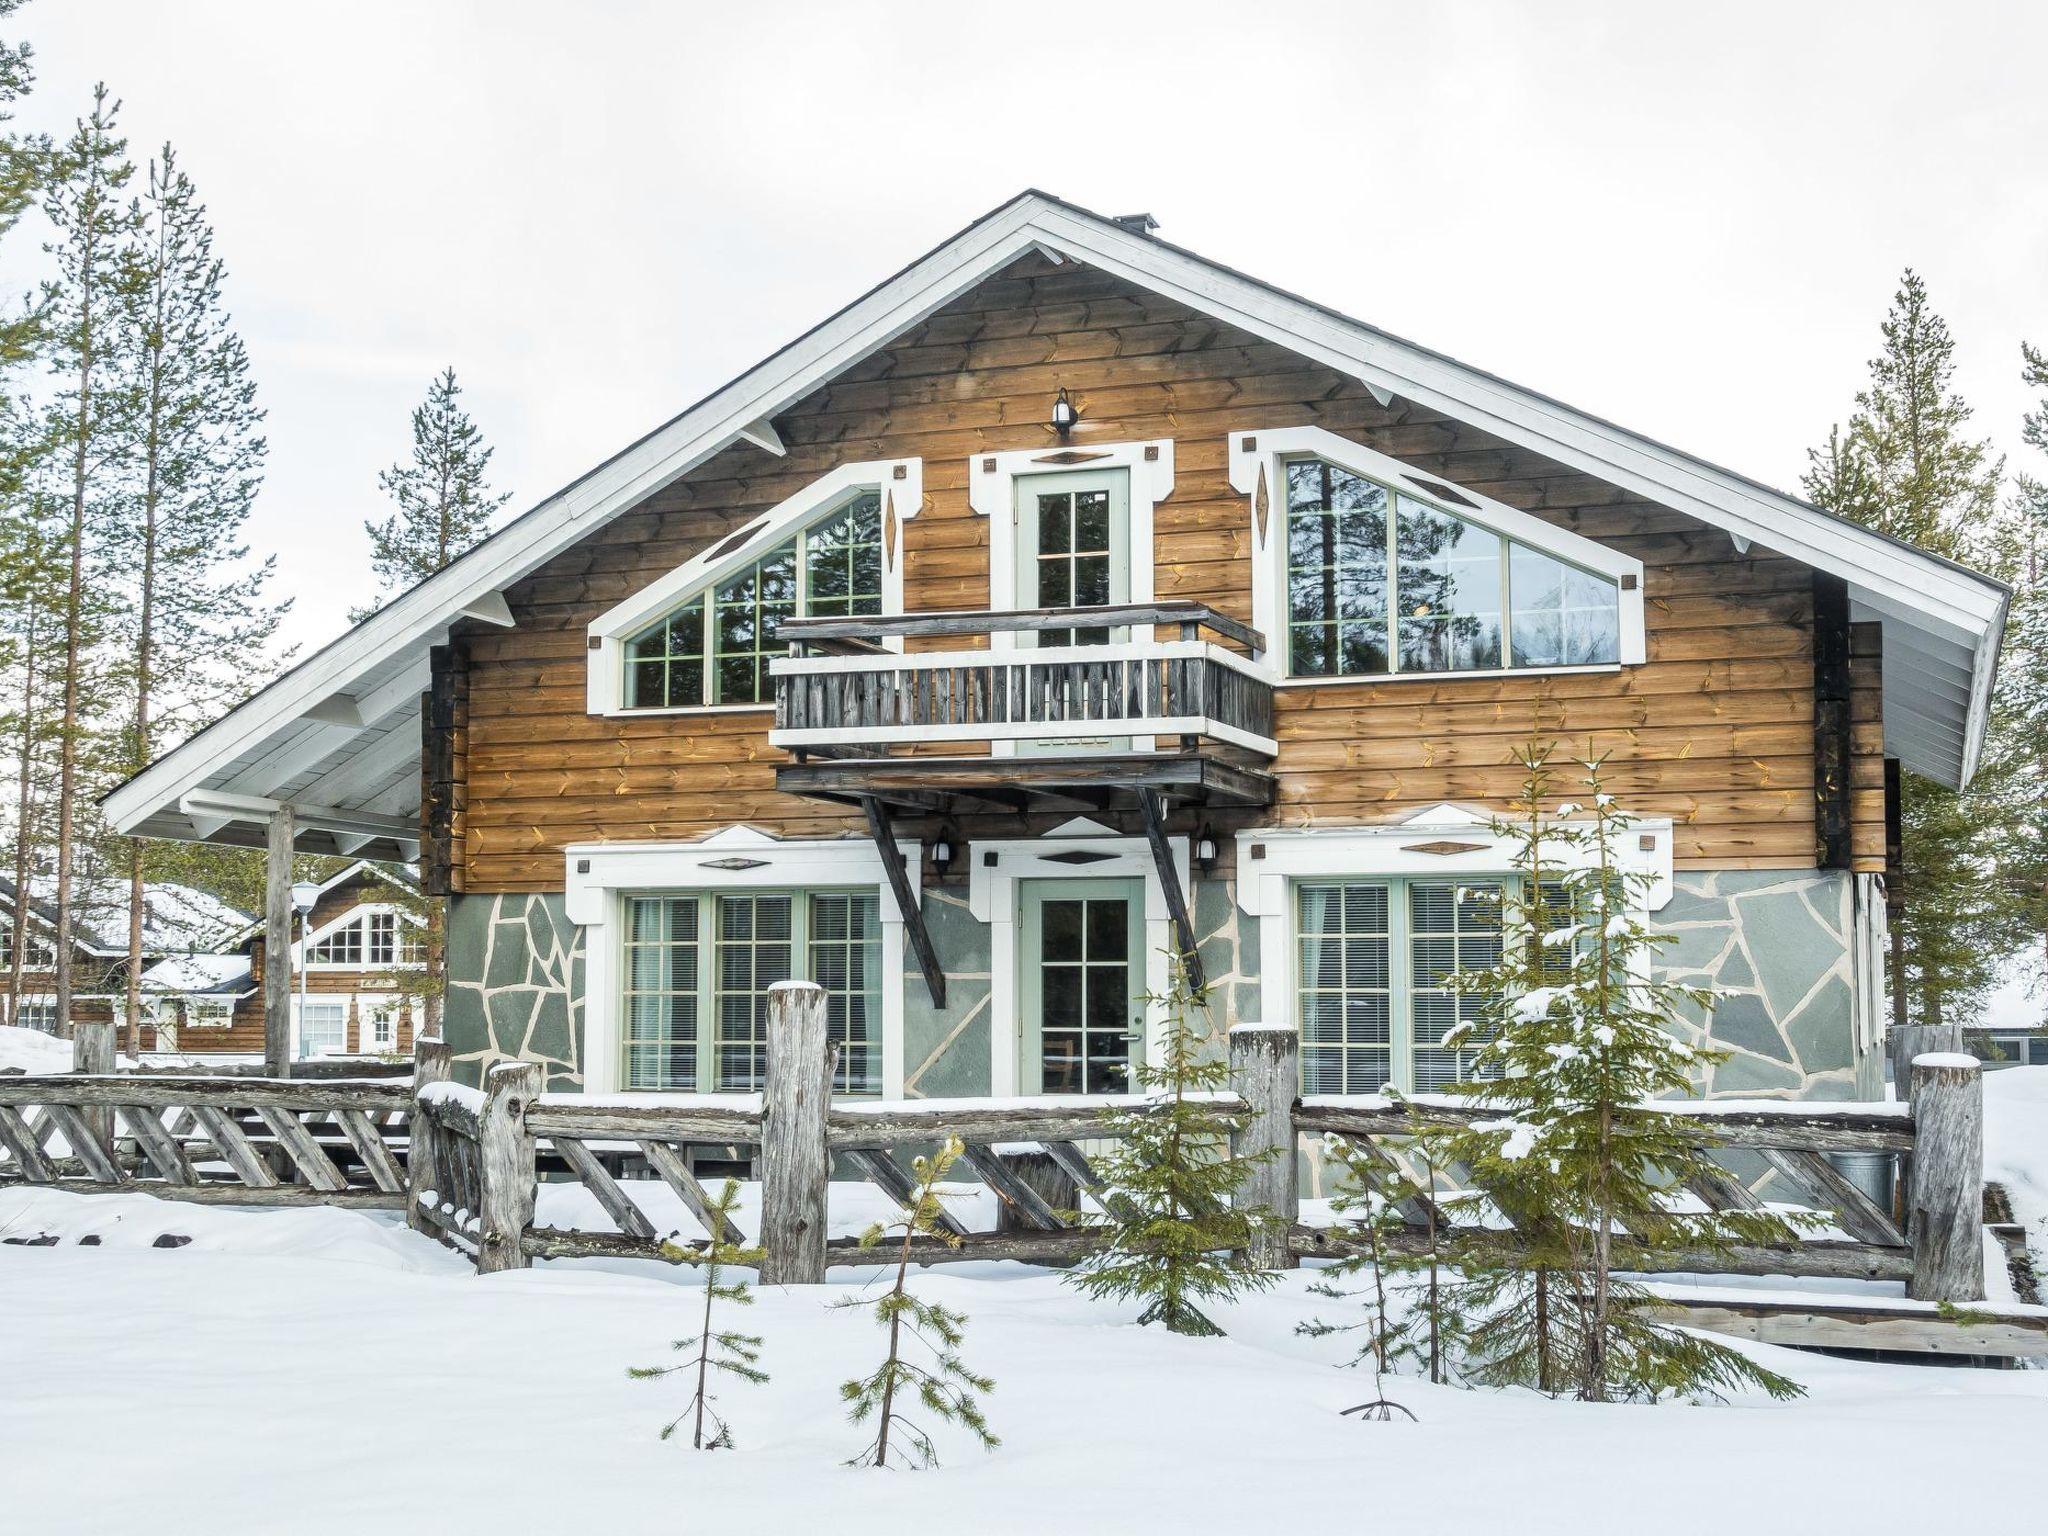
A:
1032,711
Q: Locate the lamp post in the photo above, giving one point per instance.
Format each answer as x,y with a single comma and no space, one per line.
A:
304,894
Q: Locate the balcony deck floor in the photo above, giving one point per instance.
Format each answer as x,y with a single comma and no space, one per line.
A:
934,783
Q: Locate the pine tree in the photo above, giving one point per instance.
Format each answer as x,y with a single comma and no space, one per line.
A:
1172,1226
724,1350
32,591
946,1389
444,505
199,627
94,417
1905,466
2019,729
23,159
1571,1065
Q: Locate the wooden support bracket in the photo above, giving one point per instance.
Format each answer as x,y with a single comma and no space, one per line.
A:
907,901
1169,881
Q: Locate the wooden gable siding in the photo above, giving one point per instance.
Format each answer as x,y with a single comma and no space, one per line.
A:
1716,731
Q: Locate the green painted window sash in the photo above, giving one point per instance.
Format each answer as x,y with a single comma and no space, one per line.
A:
1031,898
1401,988
707,990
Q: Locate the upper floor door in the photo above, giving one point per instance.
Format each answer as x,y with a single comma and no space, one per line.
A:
1073,551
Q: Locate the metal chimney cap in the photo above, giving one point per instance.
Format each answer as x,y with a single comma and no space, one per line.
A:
1136,223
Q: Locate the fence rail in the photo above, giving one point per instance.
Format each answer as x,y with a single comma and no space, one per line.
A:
467,1164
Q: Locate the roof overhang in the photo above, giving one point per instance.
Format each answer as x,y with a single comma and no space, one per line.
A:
339,735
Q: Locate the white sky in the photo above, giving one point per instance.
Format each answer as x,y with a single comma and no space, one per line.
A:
1689,219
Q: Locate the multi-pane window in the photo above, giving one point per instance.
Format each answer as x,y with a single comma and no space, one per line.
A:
1085,976
715,647
38,1013
40,954
1074,559
369,938
209,1012
698,969
1379,581
1375,976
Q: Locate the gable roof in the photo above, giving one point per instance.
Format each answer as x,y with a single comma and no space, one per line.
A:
338,736
176,919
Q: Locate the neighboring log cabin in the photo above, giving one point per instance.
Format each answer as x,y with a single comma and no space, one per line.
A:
1069,601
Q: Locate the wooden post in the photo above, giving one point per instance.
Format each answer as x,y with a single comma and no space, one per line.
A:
1914,1040
796,1167
505,1165
1948,1178
432,1062
277,944
92,1050
1265,1071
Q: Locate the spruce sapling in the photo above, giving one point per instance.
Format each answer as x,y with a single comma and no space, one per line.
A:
945,1388
1370,1198
1172,1228
726,1350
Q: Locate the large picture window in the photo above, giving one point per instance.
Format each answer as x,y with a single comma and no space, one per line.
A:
1375,996
698,966
714,647
1380,581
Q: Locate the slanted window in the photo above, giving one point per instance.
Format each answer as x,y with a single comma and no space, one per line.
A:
1375,989
1380,580
698,967
714,647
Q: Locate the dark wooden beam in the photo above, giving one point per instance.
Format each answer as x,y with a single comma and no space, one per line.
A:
907,899
1831,736
1176,898
1895,886
916,781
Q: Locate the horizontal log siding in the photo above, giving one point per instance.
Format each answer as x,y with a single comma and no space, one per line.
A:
1715,731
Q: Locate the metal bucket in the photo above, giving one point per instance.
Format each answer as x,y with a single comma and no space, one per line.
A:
1870,1172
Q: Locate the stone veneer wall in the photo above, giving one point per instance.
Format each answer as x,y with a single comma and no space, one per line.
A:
1776,945
515,986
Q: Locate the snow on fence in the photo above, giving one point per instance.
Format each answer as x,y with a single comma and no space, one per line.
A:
467,1164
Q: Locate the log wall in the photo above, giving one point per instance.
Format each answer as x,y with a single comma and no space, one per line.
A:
1716,731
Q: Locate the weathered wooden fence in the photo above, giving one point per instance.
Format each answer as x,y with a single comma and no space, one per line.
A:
468,1164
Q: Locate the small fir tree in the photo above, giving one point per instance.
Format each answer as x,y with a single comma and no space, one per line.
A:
1172,1224
443,503
724,1350
943,1388
1576,1147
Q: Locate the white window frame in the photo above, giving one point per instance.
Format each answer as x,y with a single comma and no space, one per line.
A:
992,493
1271,862
194,1003
303,948
1258,460
899,483
600,876
992,898
317,1000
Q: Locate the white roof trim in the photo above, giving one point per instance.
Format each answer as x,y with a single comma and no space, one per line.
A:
1943,599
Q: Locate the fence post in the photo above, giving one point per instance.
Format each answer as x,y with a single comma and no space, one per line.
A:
796,1166
1265,1071
432,1062
1948,1178
505,1165
92,1050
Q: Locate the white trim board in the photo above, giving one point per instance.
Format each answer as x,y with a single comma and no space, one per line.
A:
1258,466
1934,604
598,875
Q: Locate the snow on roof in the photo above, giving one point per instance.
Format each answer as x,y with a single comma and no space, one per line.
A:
176,918
227,973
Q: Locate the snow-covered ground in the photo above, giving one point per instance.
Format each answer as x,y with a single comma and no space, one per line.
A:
319,1370
30,1050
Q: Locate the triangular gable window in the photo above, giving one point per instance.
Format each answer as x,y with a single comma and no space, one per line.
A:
702,636
1373,569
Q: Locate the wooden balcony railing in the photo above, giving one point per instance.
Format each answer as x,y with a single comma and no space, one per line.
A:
860,695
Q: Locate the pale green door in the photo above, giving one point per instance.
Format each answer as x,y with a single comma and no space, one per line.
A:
1081,962
1074,551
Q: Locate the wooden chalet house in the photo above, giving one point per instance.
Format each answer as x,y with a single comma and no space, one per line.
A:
351,969
1069,597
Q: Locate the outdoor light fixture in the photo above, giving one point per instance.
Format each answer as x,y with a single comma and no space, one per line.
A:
304,894
1063,413
1205,850
942,852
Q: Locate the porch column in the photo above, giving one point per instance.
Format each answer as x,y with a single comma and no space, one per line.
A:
277,944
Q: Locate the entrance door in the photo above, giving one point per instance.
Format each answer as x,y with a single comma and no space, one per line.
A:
1081,952
1074,551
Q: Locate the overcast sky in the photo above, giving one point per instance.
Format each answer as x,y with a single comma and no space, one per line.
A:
1686,218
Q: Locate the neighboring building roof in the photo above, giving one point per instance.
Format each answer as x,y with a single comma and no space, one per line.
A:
176,919
339,735
186,975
